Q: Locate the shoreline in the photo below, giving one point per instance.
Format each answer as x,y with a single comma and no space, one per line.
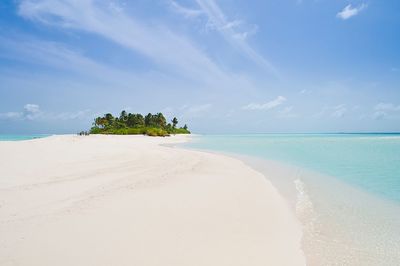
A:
127,200
328,210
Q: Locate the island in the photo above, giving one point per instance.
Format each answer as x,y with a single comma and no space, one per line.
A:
137,124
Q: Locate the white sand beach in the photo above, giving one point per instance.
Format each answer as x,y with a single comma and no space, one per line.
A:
128,200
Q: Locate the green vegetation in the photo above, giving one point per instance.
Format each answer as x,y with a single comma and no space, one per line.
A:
134,124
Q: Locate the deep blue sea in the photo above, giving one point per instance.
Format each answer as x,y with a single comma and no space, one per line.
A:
346,189
21,137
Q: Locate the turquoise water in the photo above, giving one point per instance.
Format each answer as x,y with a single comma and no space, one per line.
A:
21,137
344,189
368,161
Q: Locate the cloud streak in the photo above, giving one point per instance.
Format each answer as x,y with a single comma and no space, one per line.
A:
265,106
339,111
33,112
349,11
186,12
287,112
385,110
30,112
235,32
218,18
387,107
170,51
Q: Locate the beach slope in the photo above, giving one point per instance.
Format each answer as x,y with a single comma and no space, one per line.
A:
132,200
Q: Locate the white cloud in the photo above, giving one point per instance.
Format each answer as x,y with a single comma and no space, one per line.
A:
379,115
265,106
10,115
199,108
349,11
339,111
231,24
287,112
186,12
245,34
70,115
175,61
387,107
186,111
195,111
33,112
385,110
30,112
170,51
31,108
27,49
235,32
304,91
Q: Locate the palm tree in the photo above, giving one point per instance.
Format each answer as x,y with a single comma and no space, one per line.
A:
174,122
139,120
123,116
148,120
161,121
109,120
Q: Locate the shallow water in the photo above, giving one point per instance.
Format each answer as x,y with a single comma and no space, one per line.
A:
369,161
21,137
345,190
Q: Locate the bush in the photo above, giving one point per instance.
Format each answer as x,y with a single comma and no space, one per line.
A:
154,132
95,130
178,131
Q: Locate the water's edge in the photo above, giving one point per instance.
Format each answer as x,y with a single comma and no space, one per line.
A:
8,137
342,224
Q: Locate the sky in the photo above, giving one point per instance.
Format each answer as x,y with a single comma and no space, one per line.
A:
220,66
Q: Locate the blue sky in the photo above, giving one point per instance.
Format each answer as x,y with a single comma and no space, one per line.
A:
221,66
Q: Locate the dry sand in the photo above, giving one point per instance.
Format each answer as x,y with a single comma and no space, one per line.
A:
127,200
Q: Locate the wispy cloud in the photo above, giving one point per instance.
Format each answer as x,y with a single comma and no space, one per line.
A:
385,110
265,106
387,107
379,115
168,50
56,55
198,108
339,111
186,12
10,115
287,112
349,11
188,111
33,112
31,108
235,31
304,91
30,112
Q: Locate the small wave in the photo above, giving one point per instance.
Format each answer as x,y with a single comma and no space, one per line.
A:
306,215
304,206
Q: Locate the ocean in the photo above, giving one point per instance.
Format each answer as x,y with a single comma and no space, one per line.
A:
344,189
21,137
